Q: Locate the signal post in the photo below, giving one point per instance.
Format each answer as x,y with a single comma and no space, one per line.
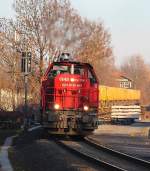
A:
26,69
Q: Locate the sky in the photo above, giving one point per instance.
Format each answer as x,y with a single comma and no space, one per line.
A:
128,22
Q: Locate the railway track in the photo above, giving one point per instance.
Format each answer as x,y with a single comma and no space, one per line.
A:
104,157
96,144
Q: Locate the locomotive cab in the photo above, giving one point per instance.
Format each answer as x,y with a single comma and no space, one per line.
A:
69,98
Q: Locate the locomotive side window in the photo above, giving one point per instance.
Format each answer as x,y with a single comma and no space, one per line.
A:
79,70
91,77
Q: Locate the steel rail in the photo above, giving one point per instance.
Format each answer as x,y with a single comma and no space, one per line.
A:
90,158
98,146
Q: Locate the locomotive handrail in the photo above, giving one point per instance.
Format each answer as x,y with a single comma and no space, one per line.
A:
62,93
66,90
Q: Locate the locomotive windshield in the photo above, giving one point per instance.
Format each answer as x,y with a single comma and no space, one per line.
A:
70,69
78,69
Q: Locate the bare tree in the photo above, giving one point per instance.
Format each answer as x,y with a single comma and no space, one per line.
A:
139,72
9,59
42,26
46,25
55,24
96,49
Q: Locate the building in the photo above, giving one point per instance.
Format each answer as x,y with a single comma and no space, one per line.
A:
122,80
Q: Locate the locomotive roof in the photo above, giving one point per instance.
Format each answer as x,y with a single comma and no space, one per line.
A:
73,62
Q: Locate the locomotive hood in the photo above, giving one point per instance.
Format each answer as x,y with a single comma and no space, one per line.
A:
70,81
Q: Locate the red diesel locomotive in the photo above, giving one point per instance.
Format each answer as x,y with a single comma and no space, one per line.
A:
69,103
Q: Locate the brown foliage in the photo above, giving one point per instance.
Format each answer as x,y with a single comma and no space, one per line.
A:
54,24
42,26
9,62
96,49
139,72
46,25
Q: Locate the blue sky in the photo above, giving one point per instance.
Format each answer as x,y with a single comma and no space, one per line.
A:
128,21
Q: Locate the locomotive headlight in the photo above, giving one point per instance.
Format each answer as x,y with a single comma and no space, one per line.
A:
86,108
72,79
56,106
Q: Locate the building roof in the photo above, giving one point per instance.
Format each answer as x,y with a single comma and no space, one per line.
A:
119,74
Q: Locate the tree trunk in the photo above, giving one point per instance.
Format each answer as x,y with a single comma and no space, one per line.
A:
13,100
41,63
0,97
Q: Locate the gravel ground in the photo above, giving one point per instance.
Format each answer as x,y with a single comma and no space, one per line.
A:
137,129
30,153
117,138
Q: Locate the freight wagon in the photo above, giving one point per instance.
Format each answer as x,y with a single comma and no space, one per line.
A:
119,104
